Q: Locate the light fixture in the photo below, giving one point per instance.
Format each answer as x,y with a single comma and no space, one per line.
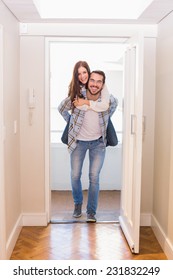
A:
91,9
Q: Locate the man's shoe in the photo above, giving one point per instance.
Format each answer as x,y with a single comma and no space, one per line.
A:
91,218
77,211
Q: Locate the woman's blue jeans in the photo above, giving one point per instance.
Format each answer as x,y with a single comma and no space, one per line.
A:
96,150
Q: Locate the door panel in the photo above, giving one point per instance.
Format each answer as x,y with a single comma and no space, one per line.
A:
132,143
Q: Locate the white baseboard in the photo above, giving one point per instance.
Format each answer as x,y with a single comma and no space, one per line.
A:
34,219
147,219
13,237
150,220
162,238
25,219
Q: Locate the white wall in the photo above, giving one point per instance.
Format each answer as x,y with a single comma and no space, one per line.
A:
11,102
163,171
2,182
32,125
149,122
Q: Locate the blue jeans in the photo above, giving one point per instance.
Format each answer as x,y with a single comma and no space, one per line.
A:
96,158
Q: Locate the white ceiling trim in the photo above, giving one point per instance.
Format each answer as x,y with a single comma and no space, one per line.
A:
109,31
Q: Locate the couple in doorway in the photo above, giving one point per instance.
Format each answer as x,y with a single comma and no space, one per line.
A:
87,109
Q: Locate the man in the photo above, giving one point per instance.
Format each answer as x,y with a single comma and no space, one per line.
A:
87,131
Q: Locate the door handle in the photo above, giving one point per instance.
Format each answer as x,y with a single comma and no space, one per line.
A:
132,124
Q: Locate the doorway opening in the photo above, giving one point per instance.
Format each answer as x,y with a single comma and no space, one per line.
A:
106,55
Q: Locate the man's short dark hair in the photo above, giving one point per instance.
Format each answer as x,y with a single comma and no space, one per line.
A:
100,73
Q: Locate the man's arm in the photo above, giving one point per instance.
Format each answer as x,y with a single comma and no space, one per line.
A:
64,107
113,103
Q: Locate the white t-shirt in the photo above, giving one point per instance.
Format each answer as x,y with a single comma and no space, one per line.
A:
90,129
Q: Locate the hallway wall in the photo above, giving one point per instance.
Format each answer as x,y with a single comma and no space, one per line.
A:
163,171
32,125
11,60
148,127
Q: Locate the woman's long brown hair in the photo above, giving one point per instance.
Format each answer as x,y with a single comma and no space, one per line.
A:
75,84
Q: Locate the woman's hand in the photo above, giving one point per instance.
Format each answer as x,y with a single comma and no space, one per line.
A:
80,102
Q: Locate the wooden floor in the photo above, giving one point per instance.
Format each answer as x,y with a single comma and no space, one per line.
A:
81,241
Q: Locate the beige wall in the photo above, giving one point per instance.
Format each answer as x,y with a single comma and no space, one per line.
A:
11,114
148,129
163,173
32,125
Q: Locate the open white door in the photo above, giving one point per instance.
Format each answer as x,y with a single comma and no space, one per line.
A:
132,143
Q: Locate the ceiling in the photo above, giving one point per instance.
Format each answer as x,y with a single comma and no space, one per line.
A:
25,11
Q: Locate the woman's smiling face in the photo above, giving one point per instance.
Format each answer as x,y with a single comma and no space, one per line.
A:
83,75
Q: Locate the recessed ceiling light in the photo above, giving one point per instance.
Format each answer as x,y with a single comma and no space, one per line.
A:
91,9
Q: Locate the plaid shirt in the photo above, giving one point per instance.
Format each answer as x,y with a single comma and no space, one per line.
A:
77,116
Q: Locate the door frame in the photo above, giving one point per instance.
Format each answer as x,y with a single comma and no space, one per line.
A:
48,40
47,112
2,181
